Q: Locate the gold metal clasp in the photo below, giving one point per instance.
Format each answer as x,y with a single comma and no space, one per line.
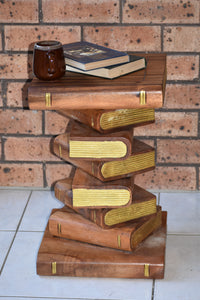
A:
53,267
142,97
146,270
119,241
48,99
59,228
60,151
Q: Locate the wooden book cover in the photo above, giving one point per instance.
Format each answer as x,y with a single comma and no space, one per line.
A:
135,63
87,144
82,190
89,56
141,160
143,204
63,257
68,224
77,91
112,120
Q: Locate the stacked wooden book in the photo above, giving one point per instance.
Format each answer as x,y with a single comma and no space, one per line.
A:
108,226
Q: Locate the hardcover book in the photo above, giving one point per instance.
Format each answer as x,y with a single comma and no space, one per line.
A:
88,56
63,257
112,120
75,91
143,204
84,190
135,63
142,159
66,223
88,144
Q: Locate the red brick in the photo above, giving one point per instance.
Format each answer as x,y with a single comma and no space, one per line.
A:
184,39
156,11
19,11
182,96
55,123
171,124
29,149
0,150
1,99
99,11
17,94
168,178
23,175
24,37
127,38
182,67
15,66
20,121
55,172
0,40
178,151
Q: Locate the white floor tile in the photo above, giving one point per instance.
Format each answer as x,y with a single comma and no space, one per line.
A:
12,204
38,211
19,278
6,238
183,212
182,274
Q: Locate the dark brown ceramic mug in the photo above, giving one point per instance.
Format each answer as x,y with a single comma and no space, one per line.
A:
48,60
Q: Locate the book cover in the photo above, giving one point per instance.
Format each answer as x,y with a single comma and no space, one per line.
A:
62,257
112,120
142,89
84,190
135,63
68,224
88,144
87,56
142,159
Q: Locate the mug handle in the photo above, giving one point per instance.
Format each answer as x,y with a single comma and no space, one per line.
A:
52,66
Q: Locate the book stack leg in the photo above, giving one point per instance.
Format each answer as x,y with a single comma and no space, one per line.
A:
109,226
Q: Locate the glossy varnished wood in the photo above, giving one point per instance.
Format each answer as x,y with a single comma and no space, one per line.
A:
96,168
62,257
143,204
66,223
77,91
65,191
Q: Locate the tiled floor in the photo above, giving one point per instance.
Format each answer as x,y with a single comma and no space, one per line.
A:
23,217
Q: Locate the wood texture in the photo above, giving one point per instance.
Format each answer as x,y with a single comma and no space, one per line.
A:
78,91
68,224
143,204
141,160
112,120
62,257
88,144
84,190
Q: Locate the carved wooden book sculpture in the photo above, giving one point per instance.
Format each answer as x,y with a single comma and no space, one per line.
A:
112,120
83,190
143,204
68,224
59,256
76,91
87,144
142,159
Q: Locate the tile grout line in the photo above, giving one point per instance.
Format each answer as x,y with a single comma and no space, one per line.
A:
153,288
16,231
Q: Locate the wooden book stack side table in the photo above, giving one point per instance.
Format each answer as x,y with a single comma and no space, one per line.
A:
108,226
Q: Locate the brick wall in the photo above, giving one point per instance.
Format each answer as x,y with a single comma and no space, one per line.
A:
152,26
